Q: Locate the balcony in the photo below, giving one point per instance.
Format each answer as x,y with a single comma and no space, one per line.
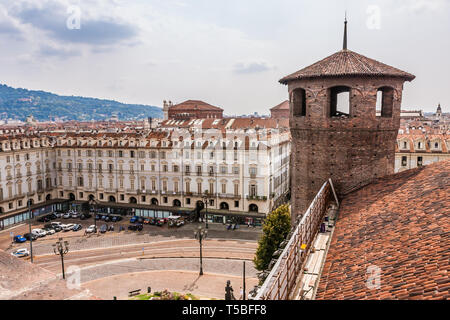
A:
253,175
257,198
132,191
229,196
110,190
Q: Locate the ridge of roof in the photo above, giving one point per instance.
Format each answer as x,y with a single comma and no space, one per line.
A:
347,63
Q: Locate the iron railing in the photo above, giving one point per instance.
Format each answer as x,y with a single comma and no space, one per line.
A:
281,281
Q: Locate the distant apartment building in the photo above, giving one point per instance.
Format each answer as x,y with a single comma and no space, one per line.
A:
191,109
417,149
238,168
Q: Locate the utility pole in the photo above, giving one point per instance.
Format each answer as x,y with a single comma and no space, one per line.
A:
29,227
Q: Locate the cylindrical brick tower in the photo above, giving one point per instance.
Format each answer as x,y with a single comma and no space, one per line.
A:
335,130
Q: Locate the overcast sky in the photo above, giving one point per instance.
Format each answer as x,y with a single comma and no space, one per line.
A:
230,53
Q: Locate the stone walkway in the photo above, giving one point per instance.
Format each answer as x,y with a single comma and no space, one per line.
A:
181,275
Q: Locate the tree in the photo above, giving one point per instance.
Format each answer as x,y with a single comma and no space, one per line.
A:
275,230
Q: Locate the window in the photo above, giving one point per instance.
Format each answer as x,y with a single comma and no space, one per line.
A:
132,154
224,188
339,101
253,190
404,161
120,153
419,161
385,101
236,204
299,102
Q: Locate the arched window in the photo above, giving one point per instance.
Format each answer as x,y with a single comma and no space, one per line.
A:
299,102
224,206
385,101
112,199
72,197
253,208
154,201
339,101
133,200
176,203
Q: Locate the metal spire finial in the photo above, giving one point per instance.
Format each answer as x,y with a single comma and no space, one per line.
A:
345,32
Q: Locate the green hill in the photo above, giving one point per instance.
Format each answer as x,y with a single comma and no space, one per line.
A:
44,106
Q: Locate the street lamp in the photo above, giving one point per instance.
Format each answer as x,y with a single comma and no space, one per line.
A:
205,199
92,204
30,216
61,248
200,235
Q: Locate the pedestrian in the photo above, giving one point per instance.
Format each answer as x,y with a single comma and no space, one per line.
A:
241,292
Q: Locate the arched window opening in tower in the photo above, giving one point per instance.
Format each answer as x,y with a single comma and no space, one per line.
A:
385,102
340,102
299,102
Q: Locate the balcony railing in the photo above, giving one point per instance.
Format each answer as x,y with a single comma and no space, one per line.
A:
257,198
281,280
229,196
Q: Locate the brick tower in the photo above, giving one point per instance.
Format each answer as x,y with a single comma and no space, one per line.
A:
335,130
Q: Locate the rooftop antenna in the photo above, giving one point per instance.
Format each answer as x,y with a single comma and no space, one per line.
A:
345,32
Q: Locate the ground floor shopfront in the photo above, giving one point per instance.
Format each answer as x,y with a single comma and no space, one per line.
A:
23,216
199,214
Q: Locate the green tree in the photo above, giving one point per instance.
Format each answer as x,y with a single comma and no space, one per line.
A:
275,230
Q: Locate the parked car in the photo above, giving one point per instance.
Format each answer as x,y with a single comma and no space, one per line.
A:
85,216
77,227
39,232
30,236
146,221
59,214
49,231
134,219
43,219
74,214
135,227
68,227
103,228
107,218
98,217
56,223
19,239
91,229
52,216
67,215
160,222
20,253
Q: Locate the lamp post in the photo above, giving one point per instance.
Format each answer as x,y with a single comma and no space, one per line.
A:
205,201
61,248
200,235
31,235
92,204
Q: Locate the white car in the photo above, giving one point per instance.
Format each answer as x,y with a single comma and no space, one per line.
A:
20,253
91,229
67,215
75,214
67,227
39,233
49,231
59,214
56,223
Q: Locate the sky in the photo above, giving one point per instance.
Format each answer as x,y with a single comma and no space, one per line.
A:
229,53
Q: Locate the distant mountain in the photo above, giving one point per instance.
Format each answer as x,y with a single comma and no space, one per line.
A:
44,106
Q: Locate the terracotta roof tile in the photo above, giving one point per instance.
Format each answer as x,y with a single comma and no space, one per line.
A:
400,224
347,63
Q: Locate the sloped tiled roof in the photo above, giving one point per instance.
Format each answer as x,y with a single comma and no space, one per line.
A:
282,106
194,105
399,224
347,63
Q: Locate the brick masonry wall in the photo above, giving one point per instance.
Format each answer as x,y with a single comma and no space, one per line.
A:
352,151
